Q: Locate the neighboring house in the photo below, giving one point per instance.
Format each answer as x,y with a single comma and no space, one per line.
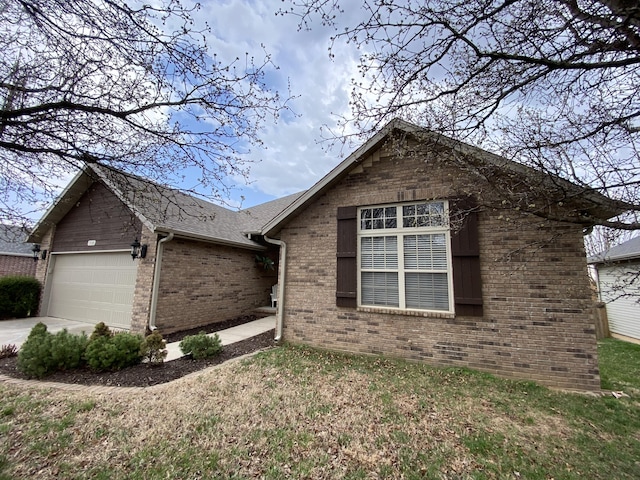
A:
16,256
199,266
618,281
370,263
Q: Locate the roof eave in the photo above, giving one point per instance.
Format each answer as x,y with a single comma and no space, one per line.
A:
203,238
118,193
621,258
602,207
14,254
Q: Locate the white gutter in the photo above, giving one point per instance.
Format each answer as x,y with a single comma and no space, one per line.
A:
156,281
281,280
209,239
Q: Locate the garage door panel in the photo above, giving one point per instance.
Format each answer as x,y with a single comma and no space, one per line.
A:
95,287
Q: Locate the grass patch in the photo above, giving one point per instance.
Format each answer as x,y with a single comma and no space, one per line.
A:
294,412
619,364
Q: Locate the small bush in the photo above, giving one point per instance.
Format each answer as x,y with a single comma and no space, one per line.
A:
9,350
114,352
201,345
19,296
153,348
44,353
67,350
100,330
34,358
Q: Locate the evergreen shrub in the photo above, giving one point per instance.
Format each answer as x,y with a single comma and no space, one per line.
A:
113,352
201,345
153,348
19,296
44,353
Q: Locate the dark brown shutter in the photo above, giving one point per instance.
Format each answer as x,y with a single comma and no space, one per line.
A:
347,267
465,253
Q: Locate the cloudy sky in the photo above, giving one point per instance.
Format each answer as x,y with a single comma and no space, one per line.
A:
294,158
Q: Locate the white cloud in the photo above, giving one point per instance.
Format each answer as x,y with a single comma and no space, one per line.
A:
294,158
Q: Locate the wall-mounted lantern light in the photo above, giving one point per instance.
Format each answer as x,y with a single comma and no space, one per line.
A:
36,252
137,250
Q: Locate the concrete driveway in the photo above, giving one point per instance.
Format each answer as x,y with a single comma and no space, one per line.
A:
16,331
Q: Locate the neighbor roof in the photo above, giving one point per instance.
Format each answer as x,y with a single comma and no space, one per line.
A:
625,251
166,210
13,241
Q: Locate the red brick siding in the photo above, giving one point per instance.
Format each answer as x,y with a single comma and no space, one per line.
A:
537,321
14,265
205,283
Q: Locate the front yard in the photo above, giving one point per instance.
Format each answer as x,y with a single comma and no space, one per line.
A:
298,413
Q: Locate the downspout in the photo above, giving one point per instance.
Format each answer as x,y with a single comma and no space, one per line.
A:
156,281
281,280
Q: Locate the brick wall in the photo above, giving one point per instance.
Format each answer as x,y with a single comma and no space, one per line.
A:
537,321
17,265
140,308
203,283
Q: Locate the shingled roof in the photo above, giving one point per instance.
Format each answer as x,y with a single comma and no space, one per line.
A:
13,241
166,210
625,251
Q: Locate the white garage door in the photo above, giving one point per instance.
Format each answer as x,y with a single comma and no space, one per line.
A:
93,287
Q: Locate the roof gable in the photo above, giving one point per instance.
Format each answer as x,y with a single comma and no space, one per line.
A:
165,210
478,161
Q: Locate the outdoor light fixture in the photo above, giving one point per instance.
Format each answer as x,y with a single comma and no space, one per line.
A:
137,250
36,252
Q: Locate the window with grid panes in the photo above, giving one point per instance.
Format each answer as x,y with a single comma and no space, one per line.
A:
404,257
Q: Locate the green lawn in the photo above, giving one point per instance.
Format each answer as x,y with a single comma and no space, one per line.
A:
300,413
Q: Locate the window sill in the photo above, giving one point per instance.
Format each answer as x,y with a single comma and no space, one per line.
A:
410,313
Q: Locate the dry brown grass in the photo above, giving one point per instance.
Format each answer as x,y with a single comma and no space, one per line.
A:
300,414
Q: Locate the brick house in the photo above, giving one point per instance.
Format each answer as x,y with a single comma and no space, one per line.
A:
16,256
403,251
199,266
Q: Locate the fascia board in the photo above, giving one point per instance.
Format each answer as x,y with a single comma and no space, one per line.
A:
202,238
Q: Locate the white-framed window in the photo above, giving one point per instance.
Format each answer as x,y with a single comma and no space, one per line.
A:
404,257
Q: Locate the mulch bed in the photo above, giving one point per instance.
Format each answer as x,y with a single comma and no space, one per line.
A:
144,375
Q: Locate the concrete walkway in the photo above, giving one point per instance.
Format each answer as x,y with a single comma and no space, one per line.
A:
230,335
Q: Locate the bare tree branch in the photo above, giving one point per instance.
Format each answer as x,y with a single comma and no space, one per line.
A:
128,85
550,84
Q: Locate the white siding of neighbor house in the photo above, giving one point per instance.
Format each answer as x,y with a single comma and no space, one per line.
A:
622,297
